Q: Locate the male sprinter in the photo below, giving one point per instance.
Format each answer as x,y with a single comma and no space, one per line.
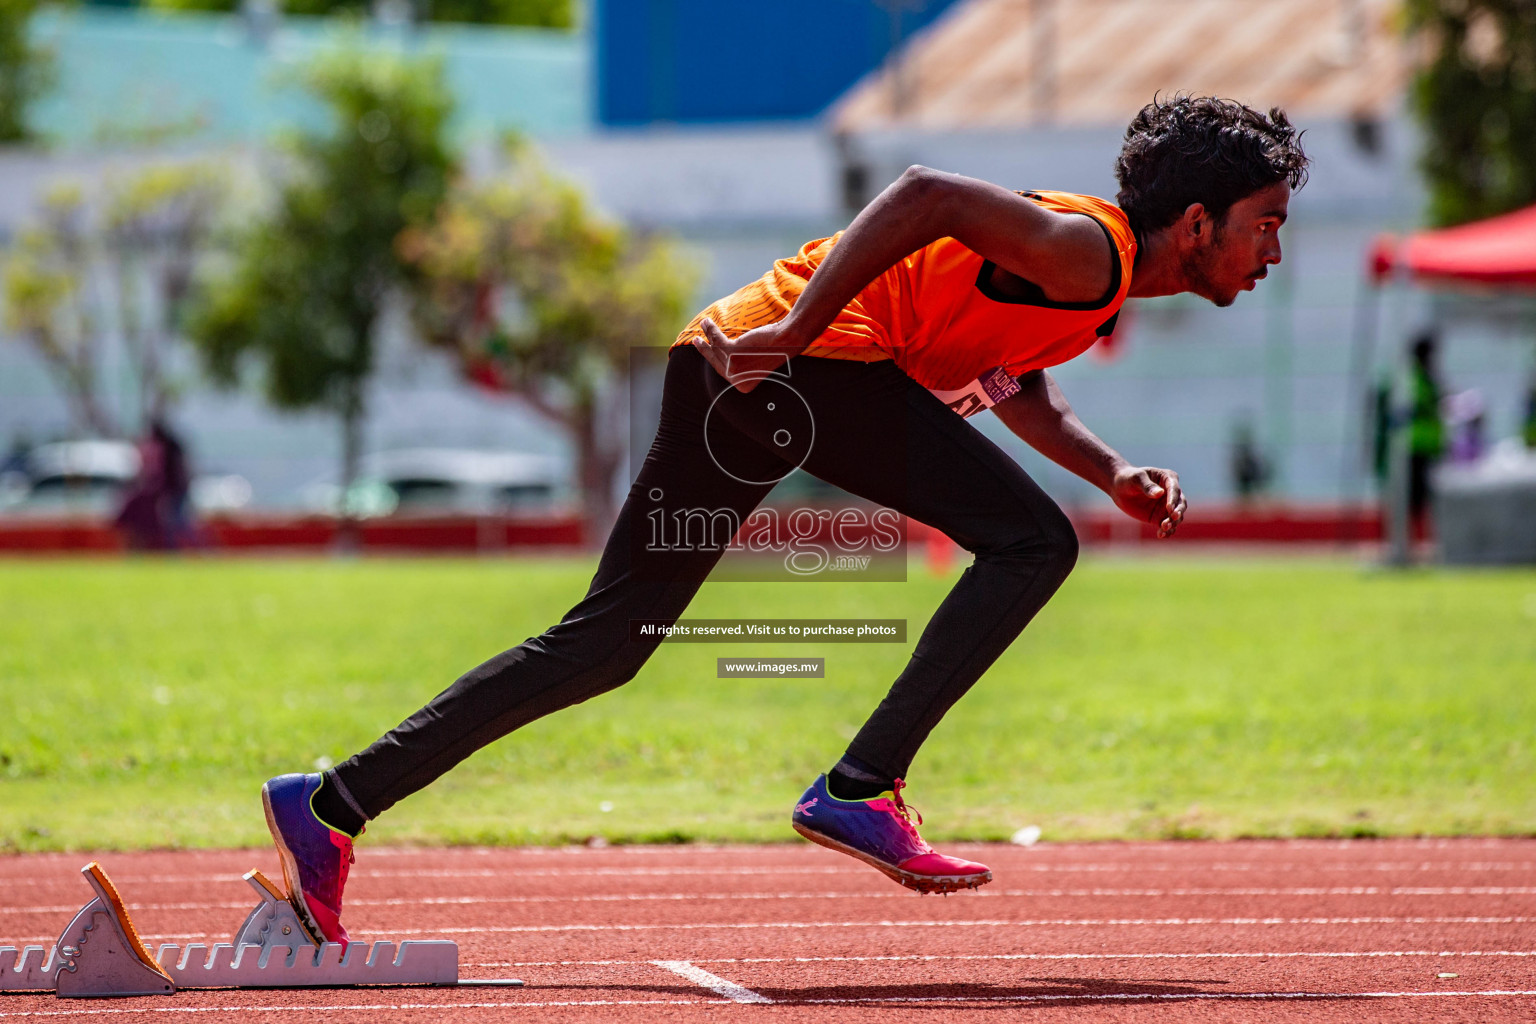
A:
944,296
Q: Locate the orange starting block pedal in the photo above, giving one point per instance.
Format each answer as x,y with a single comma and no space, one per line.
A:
100,953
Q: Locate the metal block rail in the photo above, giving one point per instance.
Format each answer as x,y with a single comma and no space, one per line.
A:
100,953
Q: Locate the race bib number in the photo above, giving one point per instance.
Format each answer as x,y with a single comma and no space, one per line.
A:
982,393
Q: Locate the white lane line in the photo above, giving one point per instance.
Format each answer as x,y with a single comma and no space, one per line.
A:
1151,997
372,1008
925,957
716,984
1146,922
430,901
513,869
1036,923
1147,997
888,893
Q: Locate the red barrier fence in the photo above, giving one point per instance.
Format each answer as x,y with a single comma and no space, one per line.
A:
490,534
459,534
1270,524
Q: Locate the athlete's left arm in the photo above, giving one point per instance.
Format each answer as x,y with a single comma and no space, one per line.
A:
1043,418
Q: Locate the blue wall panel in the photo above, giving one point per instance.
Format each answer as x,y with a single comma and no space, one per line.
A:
711,61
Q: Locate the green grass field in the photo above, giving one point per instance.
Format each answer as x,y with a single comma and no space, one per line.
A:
142,703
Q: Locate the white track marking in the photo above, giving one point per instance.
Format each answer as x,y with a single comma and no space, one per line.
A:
1157,997
800,870
373,1008
1035,923
888,893
1002,1000
428,901
716,984
926,957
1140,922
510,869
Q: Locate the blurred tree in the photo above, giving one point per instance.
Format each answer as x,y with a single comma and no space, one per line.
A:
541,298
26,71
80,274
540,13
158,225
311,278
534,13
1476,95
47,304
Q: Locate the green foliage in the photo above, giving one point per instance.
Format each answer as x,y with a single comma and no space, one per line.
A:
157,227
521,272
80,272
531,13
49,306
312,276
226,6
26,71
538,295
1476,96
145,702
541,13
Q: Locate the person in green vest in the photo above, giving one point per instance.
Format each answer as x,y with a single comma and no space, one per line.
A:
1426,433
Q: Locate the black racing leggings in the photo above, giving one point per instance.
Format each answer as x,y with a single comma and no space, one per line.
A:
877,434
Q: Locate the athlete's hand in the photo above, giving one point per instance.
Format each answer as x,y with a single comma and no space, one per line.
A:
1150,495
746,359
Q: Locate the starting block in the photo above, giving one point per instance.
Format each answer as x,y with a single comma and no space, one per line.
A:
100,953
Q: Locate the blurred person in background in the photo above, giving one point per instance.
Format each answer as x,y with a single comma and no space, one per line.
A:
1381,430
1250,469
946,296
156,511
1426,432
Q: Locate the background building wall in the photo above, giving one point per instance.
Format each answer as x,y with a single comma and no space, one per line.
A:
703,61
134,77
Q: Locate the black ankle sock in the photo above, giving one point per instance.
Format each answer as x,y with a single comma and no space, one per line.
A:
854,780
332,808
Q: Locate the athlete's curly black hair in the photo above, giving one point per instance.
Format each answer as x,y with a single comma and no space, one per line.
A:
1200,149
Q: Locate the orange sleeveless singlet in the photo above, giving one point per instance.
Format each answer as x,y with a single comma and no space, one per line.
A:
938,316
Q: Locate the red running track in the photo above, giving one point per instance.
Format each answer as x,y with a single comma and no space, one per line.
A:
1370,930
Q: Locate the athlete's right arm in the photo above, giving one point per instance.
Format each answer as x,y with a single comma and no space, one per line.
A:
1062,253
1043,418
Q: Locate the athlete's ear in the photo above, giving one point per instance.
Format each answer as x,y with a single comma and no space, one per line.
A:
1195,219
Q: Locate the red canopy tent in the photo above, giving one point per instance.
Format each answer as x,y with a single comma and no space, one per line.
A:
1499,251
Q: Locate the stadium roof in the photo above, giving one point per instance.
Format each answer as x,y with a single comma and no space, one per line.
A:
1018,63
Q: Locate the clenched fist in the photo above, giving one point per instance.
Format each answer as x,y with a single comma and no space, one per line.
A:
1150,495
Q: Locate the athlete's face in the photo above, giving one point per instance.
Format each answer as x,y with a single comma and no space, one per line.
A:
1233,255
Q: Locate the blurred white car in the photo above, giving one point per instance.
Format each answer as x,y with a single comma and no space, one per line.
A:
449,482
88,478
